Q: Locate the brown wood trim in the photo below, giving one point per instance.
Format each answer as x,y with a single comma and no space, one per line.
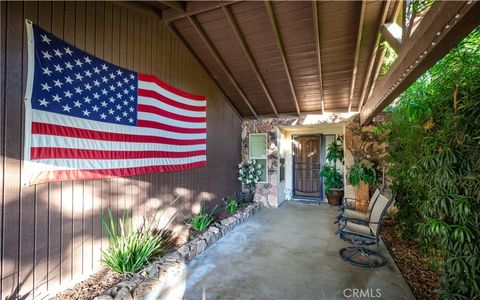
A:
366,81
193,8
231,19
176,5
187,46
278,39
443,27
357,52
317,46
139,7
382,53
203,35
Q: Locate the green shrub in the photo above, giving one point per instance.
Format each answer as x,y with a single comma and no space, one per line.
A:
232,204
334,152
434,158
201,221
332,178
129,249
362,171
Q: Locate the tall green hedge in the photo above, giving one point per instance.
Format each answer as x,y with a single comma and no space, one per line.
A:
434,157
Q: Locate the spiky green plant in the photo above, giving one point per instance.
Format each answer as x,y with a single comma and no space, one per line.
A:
200,221
130,249
232,204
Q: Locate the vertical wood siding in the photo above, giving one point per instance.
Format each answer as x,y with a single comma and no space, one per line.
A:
51,234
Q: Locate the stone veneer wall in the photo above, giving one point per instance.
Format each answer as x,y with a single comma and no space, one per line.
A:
361,143
268,193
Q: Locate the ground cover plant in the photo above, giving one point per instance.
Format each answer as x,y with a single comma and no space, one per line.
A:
433,134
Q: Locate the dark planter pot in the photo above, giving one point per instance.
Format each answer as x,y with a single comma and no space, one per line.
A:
335,197
247,197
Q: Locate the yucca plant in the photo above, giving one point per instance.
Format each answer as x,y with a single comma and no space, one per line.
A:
232,204
200,221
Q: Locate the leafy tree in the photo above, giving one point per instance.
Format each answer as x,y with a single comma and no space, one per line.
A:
434,158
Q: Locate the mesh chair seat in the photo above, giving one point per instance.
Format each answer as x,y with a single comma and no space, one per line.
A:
353,214
358,229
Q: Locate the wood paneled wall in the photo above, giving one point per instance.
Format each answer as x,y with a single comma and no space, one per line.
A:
51,234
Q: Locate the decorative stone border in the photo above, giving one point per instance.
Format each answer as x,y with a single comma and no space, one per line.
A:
136,286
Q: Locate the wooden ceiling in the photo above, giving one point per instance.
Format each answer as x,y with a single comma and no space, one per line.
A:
287,58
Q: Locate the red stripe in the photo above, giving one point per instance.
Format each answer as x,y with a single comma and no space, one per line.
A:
152,124
58,130
161,98
161,112
50,152
64,175
154,79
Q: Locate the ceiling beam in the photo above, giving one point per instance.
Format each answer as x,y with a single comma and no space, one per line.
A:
278,39
176,5
203,35
444,25
392,33
357,51
187,46
316,21
193,8
396,12
373,55
243,43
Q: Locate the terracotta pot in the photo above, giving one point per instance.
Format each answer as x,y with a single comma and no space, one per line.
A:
362,197
335,196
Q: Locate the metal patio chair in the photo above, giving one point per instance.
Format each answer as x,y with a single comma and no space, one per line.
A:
361,235
348,210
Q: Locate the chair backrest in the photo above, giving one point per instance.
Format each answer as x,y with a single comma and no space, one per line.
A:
378,212
373,199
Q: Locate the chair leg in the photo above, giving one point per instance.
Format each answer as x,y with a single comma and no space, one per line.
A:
358,256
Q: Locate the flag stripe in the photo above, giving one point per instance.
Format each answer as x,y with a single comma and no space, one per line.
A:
165,106
64,175
167,114
42,140
65,131
50,152
145,116
54,119
100,164
162,126
159,97
169,88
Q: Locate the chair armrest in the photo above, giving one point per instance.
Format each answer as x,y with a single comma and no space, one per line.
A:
354,220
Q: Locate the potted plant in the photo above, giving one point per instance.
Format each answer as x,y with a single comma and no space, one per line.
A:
362,175
249,174
333,181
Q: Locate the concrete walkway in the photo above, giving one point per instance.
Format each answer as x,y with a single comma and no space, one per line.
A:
286,253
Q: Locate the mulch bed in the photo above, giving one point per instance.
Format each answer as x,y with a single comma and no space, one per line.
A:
104,279
413,265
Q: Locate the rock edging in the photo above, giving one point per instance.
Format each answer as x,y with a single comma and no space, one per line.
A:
136,286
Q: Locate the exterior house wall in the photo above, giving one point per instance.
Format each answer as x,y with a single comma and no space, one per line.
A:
279,132
51,234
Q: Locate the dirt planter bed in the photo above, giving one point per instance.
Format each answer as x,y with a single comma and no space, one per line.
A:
137,285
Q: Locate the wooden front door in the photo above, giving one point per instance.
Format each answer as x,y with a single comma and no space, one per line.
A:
307,181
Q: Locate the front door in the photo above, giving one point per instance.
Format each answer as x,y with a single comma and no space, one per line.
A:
306,166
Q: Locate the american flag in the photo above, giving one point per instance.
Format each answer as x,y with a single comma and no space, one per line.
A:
87,118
